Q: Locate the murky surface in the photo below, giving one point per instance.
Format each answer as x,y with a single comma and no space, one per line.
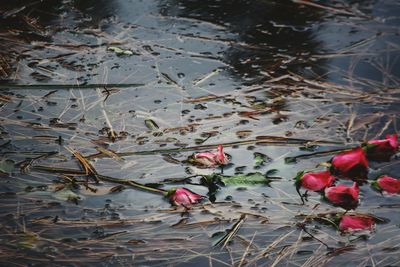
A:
156,81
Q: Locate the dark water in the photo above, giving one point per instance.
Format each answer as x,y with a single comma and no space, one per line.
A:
207,73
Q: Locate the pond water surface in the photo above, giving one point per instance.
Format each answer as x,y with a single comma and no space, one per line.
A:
137,87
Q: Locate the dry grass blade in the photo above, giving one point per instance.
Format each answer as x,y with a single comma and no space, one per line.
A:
99,177
231,233
25,165
271,246
203,99
87,166
5,98
65,171
206,77
247,249
350,124
109,153
311,3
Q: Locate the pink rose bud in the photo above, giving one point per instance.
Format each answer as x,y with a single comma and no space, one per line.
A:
384,149
210,159
356,222
184,197
343,196
352,164
389,184
316,181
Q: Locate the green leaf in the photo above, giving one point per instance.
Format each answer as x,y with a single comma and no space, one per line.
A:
67,194
290,160
152,125
260,159
368,147
7,165
120,51
299,175
246,179
375,185
26,240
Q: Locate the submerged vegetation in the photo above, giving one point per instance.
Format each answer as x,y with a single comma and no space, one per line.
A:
199,132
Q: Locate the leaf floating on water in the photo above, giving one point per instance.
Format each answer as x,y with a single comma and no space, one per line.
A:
290,160
246,179
260,159
67,194
7,165
152,126
117,189
120,51
27,240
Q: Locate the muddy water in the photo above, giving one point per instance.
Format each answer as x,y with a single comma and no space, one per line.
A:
276,78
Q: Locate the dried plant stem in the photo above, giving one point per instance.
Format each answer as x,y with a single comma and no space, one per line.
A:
100,177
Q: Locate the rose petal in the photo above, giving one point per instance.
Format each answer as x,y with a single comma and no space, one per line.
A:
356,222
351,164
317,181
389,184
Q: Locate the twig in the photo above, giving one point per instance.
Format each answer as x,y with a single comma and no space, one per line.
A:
68,86
320,153
274,140
303,227
100,177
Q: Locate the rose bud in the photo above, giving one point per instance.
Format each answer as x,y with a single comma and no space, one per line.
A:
184,197
210,159
343,196
316,181
388,184
382,150
356,222
351,164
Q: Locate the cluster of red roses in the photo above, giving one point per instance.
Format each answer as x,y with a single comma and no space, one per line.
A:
353,164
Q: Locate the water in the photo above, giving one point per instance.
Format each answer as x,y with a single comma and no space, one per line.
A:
207,73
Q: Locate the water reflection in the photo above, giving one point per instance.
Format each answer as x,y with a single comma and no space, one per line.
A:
268,42
274,37
266,38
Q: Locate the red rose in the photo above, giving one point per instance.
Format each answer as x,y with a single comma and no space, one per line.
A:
352,164
210,159
389,184
184,197
343,196
316,181
356,222
382,150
